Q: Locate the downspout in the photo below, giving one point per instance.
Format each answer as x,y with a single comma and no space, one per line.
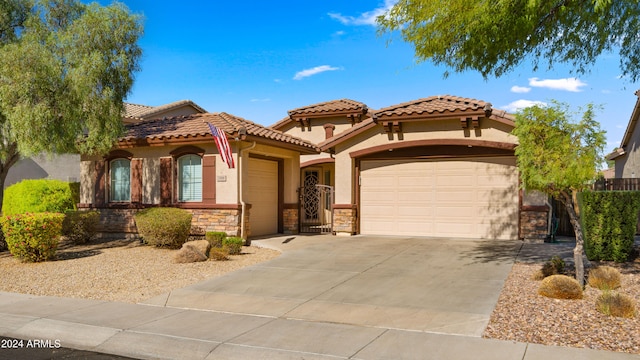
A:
241,186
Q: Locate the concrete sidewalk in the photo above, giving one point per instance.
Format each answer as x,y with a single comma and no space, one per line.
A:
324,298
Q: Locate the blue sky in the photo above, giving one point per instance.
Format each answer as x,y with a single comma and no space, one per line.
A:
258,59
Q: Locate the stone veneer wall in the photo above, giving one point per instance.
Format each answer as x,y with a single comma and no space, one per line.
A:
534,224
290,221
344,221
227,220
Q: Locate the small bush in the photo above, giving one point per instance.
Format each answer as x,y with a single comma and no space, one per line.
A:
554,266
219,254
605,278
80,226
167,227
233,245
616,304
560,287
33,237
42,195
215,238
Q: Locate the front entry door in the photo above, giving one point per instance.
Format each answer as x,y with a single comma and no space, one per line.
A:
315,202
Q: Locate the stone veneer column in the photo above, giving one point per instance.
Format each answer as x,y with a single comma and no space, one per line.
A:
290,218
344,220
534,223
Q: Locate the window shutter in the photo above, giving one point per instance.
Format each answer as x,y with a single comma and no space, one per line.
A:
166,185
100,183
136,180
209,179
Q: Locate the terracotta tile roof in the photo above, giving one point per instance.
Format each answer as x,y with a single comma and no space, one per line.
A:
195,125
327,108
333,106
136,111
431,105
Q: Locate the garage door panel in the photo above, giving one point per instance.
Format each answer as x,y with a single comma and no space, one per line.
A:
262,194
456,198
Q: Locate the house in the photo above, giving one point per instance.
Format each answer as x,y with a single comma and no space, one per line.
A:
66,167
438,166
175,162
441,166
627,156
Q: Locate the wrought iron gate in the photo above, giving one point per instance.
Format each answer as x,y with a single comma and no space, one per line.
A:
316,210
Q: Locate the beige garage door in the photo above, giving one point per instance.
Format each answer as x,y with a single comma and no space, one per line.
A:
262,194
466,198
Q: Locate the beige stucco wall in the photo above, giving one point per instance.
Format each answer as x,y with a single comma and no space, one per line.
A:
87,174
489,130
291,165
317,133
226,179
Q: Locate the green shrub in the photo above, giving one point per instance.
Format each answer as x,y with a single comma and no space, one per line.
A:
215,238
218,254
609,221
560,287
233,244
33,237
554,266
80,226
168,227
605,278
42,195
616,304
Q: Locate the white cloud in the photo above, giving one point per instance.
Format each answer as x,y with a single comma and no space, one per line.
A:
521,104
520,89
313,71
568,84
261,100
367,17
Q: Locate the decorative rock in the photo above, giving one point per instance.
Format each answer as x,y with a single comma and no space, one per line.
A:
190,253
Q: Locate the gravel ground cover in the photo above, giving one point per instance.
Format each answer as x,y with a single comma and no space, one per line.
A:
523,315
116,270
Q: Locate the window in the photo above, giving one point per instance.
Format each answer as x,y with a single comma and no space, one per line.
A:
120,180
190,178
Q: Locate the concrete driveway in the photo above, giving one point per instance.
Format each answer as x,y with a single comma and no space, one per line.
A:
447,286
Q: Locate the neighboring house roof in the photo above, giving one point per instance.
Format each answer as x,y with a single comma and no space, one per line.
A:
609,173
633,123
431,107
324,109
194,128
144,112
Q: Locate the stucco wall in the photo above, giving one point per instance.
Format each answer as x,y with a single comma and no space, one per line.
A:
65,167
291,162
227,180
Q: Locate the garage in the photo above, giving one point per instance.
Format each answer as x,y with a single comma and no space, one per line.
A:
262,194
475,197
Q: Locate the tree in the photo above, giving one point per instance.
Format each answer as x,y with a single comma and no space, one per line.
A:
493,37
65,68
559,157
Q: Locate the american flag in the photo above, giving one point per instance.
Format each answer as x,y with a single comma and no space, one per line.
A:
223,145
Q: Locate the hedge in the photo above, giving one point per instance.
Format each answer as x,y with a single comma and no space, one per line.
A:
41,195
609,220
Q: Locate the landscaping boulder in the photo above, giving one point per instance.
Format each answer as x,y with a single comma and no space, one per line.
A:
192,251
